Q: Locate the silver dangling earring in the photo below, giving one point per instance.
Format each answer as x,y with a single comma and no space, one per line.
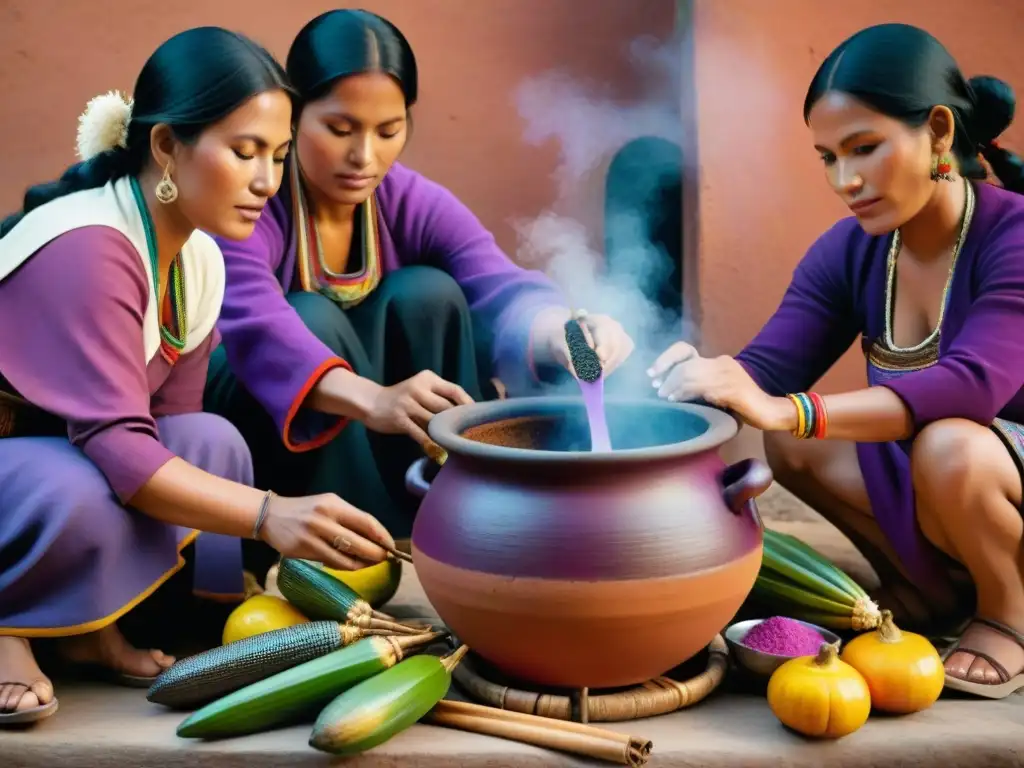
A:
166,189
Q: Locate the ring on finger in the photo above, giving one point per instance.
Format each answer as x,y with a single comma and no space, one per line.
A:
341,544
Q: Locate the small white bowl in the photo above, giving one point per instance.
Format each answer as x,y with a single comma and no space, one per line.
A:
759,662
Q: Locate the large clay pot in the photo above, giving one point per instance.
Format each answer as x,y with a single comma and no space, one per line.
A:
567,568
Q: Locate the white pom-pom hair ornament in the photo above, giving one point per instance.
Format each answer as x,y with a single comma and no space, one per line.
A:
104,124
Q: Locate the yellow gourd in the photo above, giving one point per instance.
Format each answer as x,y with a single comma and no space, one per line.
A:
819,695
903,670
376,584
259,614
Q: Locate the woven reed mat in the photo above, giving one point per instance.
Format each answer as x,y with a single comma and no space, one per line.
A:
656,697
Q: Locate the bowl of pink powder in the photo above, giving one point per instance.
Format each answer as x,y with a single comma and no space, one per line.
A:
763,645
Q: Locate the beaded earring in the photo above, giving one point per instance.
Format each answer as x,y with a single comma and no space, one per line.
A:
942,167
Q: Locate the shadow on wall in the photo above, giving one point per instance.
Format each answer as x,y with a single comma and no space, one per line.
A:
645,185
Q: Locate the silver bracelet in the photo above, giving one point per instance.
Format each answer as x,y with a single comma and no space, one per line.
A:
262,515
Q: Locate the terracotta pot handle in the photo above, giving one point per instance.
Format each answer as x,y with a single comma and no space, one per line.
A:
416,481
744,481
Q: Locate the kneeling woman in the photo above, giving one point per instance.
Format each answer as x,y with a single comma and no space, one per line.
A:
109,296
922,469
367,290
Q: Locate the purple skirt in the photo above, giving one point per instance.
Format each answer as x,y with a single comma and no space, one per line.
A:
73,559
887,476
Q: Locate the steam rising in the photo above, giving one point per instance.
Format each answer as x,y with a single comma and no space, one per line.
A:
590,129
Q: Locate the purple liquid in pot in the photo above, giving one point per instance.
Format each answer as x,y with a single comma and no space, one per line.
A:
593,398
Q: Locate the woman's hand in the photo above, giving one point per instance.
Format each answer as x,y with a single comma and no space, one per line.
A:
325,529
680,373
408,406
604,334
679,352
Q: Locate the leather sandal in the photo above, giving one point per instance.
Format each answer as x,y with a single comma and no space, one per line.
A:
26,716
1007,684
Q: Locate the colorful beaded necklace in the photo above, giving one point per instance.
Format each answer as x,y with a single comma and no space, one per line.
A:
885,358
173,314
348,289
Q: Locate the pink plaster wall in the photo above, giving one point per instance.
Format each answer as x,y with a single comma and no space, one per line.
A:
55,55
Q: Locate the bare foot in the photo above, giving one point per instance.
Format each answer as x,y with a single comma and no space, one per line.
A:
108,648
22,684
966,666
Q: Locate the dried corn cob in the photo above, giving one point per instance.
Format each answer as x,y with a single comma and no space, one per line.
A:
319,595
199,679
810,586
370,713
300,691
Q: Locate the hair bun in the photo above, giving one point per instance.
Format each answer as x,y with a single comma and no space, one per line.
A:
103,125
994,107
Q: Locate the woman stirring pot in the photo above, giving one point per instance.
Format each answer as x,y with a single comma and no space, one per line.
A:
368,294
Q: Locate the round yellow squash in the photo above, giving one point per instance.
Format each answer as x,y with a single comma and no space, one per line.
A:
376,584
903,670
259,614
820,696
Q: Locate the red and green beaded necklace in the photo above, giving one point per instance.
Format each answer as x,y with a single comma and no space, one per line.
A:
173,314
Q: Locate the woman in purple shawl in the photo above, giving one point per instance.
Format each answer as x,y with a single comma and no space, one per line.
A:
109,297
922,469
370,292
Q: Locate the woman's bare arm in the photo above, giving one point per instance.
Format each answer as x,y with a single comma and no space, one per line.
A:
872,415
182,494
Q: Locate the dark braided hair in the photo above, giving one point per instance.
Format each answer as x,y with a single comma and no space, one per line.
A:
904,72
191,81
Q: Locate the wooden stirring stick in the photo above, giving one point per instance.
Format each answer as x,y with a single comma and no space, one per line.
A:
436,453
398,554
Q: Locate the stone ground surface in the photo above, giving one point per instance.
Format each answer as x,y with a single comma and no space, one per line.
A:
98,727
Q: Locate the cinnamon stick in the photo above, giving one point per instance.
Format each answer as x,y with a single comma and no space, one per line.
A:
559,735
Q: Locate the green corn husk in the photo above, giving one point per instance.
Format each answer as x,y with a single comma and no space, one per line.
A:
300,691
811,587
803,552
783,589
830,620
203,677
368,714
318,595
